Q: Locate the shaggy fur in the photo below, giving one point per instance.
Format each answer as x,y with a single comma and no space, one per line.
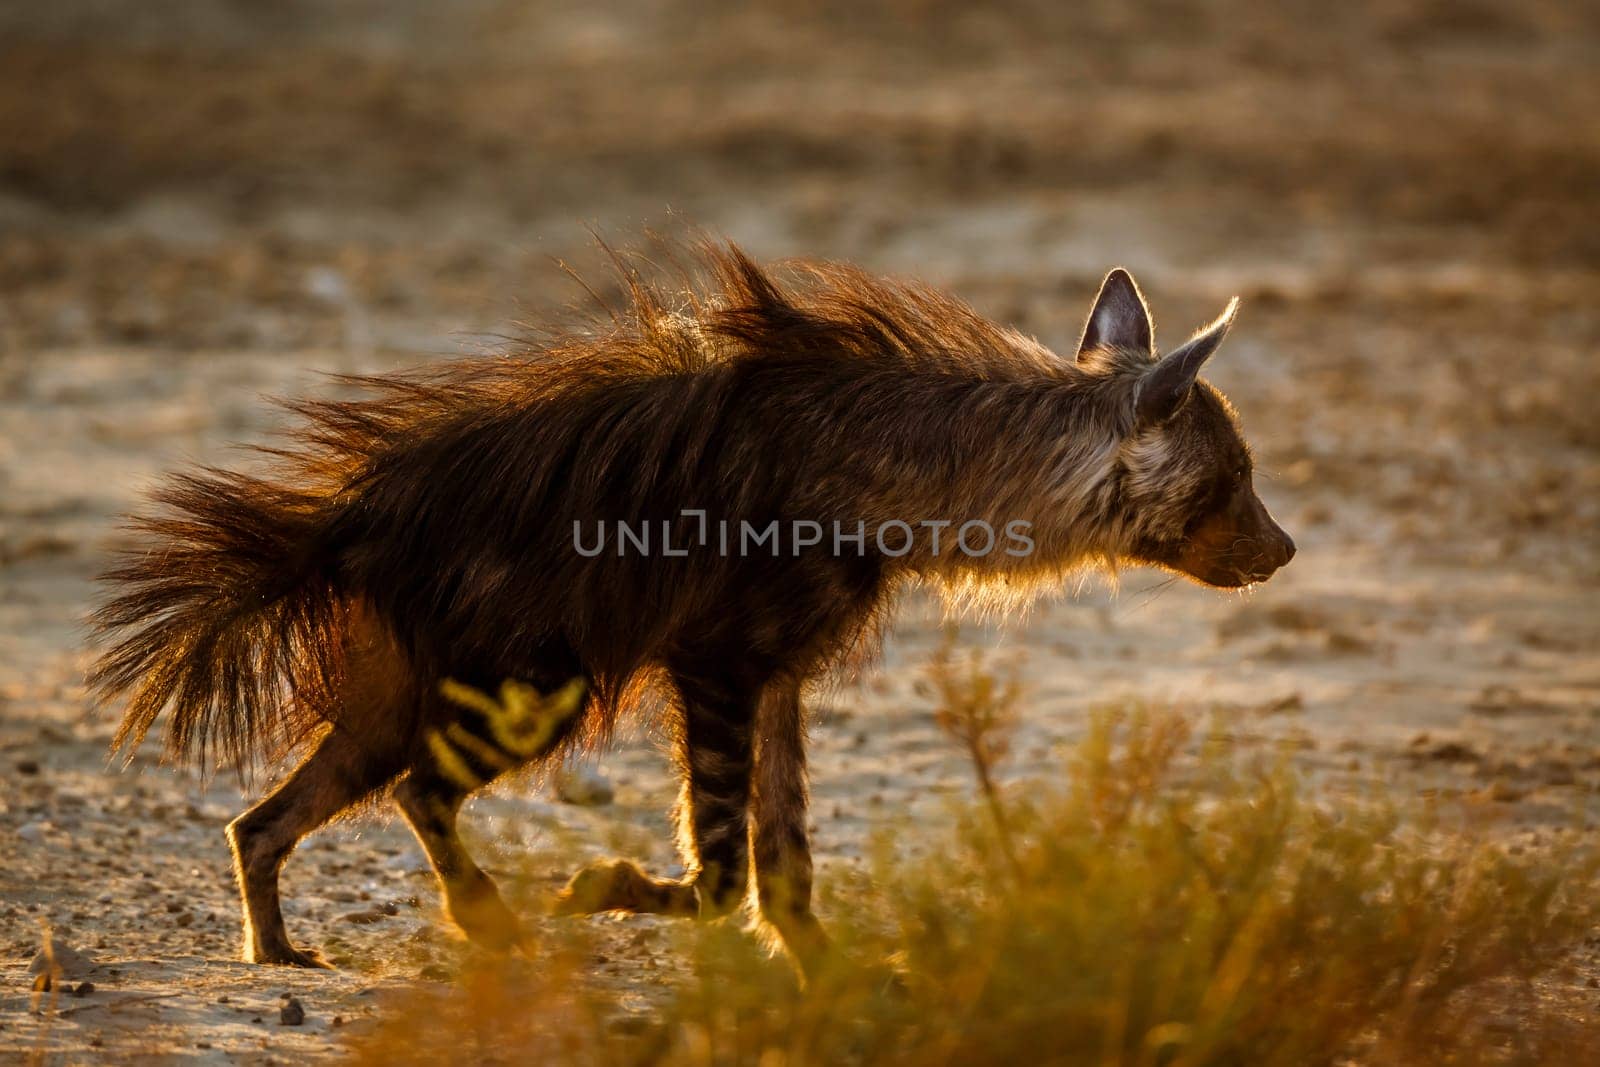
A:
424,533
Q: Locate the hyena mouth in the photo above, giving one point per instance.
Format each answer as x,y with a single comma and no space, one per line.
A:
1227,577
1219,554
1250,564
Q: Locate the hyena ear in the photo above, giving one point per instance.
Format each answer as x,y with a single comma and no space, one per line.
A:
1119,318
1163,390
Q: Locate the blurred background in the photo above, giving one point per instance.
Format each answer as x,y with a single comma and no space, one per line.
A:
220,173
208,201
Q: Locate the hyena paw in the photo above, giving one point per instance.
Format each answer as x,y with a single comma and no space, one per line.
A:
618,885
487,922
715,898
286,956
597,887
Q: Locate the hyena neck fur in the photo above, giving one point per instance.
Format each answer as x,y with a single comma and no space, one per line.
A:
1043,449
1119,454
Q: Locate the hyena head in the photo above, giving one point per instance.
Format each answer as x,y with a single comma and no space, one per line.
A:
1186,501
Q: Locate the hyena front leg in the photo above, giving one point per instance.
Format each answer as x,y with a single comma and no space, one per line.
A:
782,847
487,738
713,836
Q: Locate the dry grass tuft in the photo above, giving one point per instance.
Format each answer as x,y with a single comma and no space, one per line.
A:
1171,904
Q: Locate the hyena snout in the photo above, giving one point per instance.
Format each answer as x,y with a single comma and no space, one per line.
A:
1239,546
1262,546
1276,550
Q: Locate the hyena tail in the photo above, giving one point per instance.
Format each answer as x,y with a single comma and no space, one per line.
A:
227,610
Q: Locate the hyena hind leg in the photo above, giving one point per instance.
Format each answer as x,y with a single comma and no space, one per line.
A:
366,747
339,773
485,738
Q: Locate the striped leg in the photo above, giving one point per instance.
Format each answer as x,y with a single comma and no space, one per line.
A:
782,848
487,738
714,753
714,806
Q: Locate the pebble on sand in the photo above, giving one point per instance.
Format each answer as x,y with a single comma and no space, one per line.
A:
583,786
292,1013
69,962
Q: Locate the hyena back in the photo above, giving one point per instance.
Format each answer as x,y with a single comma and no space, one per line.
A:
418,544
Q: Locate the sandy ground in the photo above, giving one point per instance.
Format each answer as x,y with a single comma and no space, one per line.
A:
194,215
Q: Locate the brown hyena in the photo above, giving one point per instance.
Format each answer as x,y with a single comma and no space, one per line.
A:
441,532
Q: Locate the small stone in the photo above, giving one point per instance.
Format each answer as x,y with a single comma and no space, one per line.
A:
68,961
83,989
1453,752
292,1013
1504,792
338,1021
366,916
583,786
27,766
